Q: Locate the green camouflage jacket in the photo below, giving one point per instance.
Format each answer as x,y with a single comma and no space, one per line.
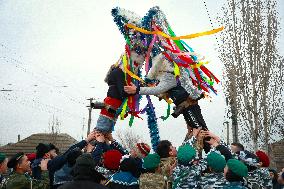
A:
25,181
152,181
213,180
259,179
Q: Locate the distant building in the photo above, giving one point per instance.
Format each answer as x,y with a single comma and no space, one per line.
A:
62,141
277,149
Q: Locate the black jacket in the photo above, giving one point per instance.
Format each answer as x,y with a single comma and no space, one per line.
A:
82,184
116,83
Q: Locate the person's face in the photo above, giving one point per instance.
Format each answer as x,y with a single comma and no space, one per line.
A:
280,179
271,174
173,151
52,153
25,164
3,166
133,153
234,149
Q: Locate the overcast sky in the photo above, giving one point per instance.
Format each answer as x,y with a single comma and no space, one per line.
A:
55,54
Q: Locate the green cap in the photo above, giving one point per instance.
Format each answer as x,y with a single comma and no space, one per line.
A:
216,161
151,161
2,157
237,167
186,153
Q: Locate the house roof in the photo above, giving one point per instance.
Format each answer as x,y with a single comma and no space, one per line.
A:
62,141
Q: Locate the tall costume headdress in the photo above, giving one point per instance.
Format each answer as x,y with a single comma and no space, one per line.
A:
138,42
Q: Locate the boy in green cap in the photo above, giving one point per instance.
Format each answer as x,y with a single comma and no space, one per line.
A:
187,173
152,178
214,178
234,172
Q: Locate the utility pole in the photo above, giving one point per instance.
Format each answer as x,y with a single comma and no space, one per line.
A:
90,115
228,131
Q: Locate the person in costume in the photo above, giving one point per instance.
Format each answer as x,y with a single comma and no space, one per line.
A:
178,71
118,75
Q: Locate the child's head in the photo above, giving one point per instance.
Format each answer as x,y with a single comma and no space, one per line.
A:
166,149
237,147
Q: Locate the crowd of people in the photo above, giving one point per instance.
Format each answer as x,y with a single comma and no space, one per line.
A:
100,162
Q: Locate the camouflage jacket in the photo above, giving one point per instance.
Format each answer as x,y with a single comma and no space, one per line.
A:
165,165
2,182
259,179
213,180
152,181
188,176
25,181
234,185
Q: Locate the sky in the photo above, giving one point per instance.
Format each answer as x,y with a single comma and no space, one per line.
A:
55,54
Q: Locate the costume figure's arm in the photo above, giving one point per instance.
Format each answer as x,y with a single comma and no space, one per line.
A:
167,82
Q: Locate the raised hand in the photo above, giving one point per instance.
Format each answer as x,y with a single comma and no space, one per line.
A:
130,89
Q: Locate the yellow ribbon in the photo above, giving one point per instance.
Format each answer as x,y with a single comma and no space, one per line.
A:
123,111
176,70
190,36
199,64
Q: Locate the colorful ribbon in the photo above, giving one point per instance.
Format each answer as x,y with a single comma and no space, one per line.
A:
190,36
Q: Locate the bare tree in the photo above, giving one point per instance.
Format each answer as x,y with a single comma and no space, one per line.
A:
253,70
128,138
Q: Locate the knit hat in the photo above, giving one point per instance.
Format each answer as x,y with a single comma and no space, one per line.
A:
151,161
237,167
216,161
31,156
130,165
2,157
142,149
263,157
14,160
111,159
186,154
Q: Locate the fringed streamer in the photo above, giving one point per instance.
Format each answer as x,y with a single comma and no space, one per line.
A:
149,53
190,36
168,113
152,124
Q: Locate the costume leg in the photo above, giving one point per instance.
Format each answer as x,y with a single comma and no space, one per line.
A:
104,124
194,118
